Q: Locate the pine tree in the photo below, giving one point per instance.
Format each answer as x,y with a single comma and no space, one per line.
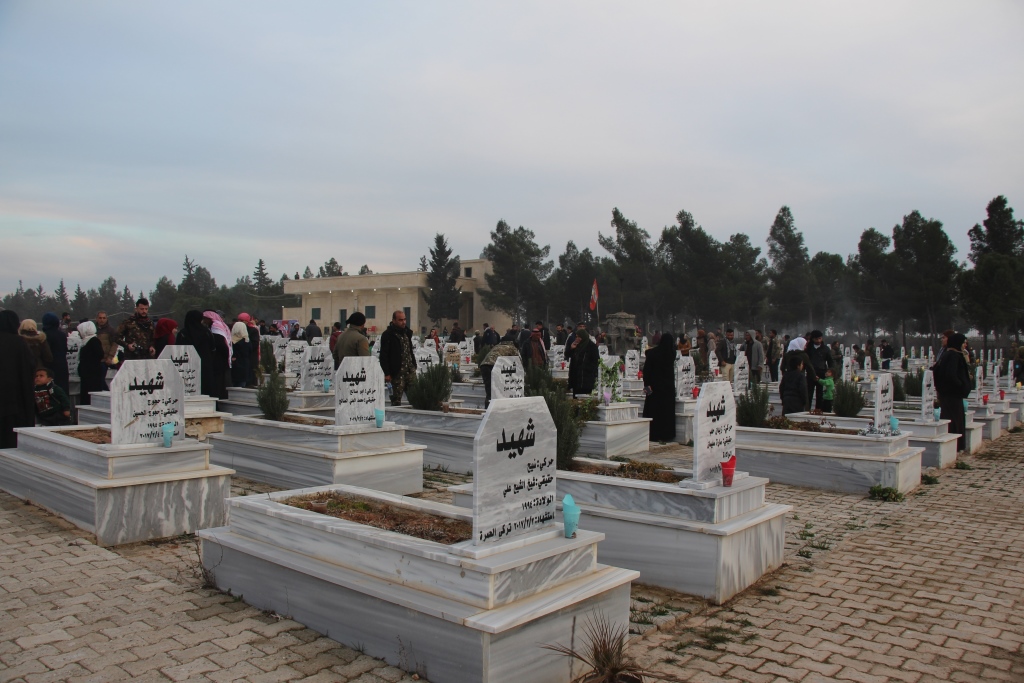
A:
308,273
80,304
1001,234
519,268
62,296
442,296
330,268
789,272
261,278
365,270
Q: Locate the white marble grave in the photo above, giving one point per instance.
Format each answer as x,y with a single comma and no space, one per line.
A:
714,431
847,369
686,377
928,397
425,358
632,365
74,349
508,379
741,374
316,366
145,395
280,350
713,365
359,390
883,401
293,356
187,363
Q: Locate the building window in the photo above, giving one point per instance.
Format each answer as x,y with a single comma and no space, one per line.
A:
469,272
342,315
371,312
316,314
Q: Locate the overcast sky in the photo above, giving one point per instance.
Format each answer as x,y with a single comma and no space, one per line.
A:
133,133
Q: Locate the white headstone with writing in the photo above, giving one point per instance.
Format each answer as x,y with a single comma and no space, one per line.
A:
508,379
883,400
74,348
714,433
847,352
931,354
1009,375
424,359
375,349
847,368
686,377
602,351
316,341
452,354
429,343
188,364
415,342
928,397
632,365
144,396
643,345
903,352
317,365
514,469
280,349
995,376
740,373
558,361
713,363
358,390
293,355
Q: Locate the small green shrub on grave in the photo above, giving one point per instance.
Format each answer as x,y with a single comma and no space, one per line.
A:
484,350
913,382
431,389
272,397
899,392
962,465
885,493
929,480
267,360
848,401
752,407
538,381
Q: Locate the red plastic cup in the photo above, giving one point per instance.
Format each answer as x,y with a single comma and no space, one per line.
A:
1002,395
984,399
728,471
696,392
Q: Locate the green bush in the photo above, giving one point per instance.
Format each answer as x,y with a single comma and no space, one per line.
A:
267,360
538,381
885,493
752,407
912,383
272,397
848,401
484,350
899,392
430,389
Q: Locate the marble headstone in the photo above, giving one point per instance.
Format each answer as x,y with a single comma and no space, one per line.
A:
643,345
144,396
293,355
1009,375
415,342
632,364
903,352
602,350
847,368
713,363
686,377
558,361
928,397
188,364
615,388
740,374
316,341
74,348
847,352
883,400
452,354
995,376
424,359
280,349
358,390
508,379
714,431
514,469
317,365
429,343
931,354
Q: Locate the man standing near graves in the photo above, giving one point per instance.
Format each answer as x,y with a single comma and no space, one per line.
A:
108,338
396,356
490,336
726,352
561,335
821,360
312,331
773,352
136,333
533,351
504,348
580,327
353,341
953,383
458,335
755,355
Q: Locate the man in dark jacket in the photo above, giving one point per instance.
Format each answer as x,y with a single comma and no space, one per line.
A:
353,341
490,336
17,381
457,335
953,383
313,330
396,356
58,341
136,333
821,360
533,352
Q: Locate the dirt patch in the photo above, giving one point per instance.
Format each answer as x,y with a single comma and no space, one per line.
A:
95,435
632,469
466,411
823,426
380,515
311,421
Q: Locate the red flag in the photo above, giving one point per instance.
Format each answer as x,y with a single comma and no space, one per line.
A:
593,295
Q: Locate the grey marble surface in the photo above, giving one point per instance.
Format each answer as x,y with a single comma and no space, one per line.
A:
146,394
831,471
822,441
337,438
188,364
617,412
508,378
317,365
358,391
714,430
431,419
608,439
396,469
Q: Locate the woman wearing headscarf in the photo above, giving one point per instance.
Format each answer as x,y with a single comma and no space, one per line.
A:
221,352
1018,366
17,381
197,335
240,354
164,335
660,389
797,350
92,373
57,340
953,384
36,342
584,363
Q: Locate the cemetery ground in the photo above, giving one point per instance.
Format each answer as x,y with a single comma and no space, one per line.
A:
927,589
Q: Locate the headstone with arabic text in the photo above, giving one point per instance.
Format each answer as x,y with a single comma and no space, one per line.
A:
293,355
714,431
508,379
358,390
514,470
847,369
316,341
280,350
883,401
188,364
317,365
425,358
632,365
686,377
928,397
145,395
74,349
713,366
740,374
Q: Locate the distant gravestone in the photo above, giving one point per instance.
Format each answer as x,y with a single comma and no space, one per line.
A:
316,366
430,345
903,352
740,374
358,390
508,379
928,397
931,354
280,349
74,349
602,351
714,433
686,377
558,361
452,354
316,341
847,369
293,355
632,365
1009,375
145,395
615,388
847,352
514,475
643,345
883,401
415,342
188,364
713,363
424,359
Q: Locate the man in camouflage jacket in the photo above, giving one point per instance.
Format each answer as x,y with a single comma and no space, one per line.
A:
136,333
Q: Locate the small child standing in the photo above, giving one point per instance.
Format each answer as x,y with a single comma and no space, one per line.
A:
53,407
828,391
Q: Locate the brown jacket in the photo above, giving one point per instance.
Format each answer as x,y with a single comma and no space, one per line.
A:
352,342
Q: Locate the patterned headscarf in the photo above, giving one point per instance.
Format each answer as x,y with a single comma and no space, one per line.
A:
220,327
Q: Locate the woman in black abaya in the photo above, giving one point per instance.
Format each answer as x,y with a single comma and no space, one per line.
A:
660,388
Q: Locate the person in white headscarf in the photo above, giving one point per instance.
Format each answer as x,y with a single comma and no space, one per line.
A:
796,361
92,372
241,352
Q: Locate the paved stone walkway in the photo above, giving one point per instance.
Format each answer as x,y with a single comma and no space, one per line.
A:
929,589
